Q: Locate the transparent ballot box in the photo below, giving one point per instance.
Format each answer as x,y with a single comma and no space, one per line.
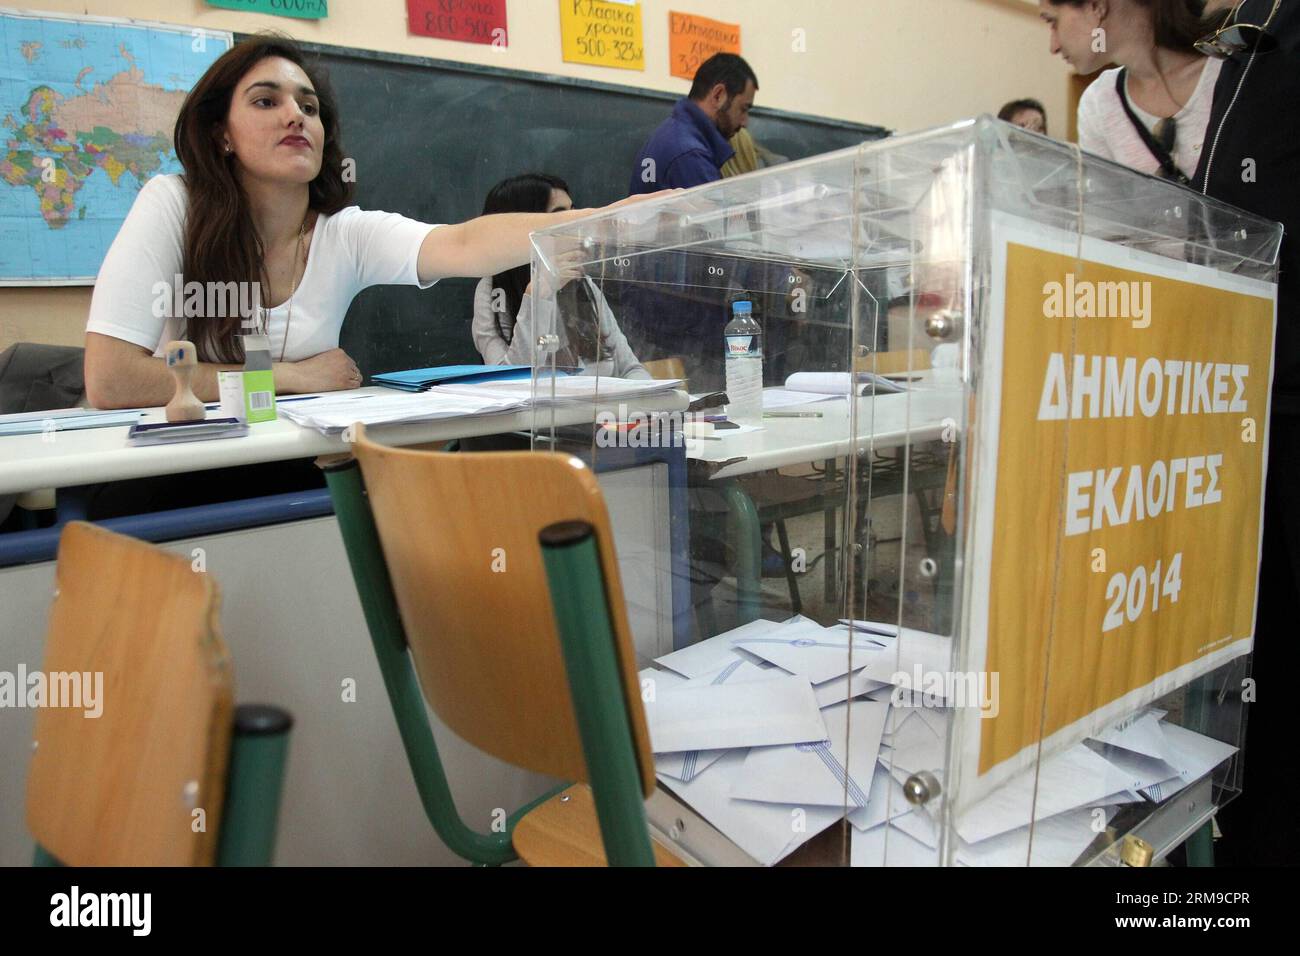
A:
949,451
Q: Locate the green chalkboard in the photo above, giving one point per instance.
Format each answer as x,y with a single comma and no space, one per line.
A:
430,137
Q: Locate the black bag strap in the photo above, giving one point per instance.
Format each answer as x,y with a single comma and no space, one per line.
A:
1168,168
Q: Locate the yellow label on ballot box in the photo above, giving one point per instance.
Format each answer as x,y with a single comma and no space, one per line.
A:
1125,530
602,33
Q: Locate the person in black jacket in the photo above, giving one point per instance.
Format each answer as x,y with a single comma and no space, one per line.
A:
1252,160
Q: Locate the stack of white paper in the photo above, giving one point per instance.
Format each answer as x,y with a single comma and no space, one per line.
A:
562,389
333,413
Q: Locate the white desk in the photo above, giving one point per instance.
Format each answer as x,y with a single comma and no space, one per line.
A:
87,456
889,421
922,413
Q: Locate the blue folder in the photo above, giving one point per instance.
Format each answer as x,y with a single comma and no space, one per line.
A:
422,379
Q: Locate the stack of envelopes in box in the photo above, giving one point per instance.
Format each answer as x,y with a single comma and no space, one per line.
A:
773,732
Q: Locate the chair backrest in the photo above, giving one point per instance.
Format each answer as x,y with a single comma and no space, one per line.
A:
122,788
671,367
460,537
894,363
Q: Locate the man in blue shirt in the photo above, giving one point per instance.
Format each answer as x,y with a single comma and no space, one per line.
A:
662,313
689,147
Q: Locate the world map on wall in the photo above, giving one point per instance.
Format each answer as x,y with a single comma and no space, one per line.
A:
86,115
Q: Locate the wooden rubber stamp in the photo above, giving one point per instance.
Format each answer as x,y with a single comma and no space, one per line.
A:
182,358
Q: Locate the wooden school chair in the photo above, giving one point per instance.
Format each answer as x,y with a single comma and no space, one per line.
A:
671,367
170,773
491,590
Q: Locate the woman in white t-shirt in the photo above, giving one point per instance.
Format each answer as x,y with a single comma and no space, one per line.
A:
1169,87
258,235
503,324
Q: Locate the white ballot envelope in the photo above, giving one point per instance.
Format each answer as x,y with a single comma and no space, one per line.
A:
685,765
1189,756
825,773
845,686
884,802
915,742
1056,841
886,845
817,653
709,656
1141,734
654,682
766,831
1076,777
723,716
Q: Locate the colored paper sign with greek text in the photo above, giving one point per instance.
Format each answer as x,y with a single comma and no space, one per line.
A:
693,39
469,21
602,33
302,9
1117,499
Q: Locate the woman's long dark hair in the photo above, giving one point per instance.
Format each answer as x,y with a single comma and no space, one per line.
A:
531,192
1176,24
220,242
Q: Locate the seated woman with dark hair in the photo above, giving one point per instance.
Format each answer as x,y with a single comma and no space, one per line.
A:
260,229
503,327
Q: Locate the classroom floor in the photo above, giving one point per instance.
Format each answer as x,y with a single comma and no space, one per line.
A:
881,602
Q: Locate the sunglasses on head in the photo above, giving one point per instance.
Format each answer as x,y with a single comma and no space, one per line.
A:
1233,38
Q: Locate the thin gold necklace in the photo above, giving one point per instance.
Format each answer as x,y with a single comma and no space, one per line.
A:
288,321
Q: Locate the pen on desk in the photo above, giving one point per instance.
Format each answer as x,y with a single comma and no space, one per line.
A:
792,414
278,401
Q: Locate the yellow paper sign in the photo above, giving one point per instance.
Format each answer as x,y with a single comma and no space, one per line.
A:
602,33
1125,520
692,40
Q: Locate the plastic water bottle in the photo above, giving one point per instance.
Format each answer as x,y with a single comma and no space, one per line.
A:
743,339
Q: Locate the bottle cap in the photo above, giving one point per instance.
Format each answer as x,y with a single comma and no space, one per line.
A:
742,305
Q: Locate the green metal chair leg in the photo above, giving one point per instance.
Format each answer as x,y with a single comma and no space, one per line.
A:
43,857
1200,846
791,576
254,783
582,617
747,539
384,622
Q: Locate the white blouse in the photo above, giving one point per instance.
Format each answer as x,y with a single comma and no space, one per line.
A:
519,350
136,294
1105,129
